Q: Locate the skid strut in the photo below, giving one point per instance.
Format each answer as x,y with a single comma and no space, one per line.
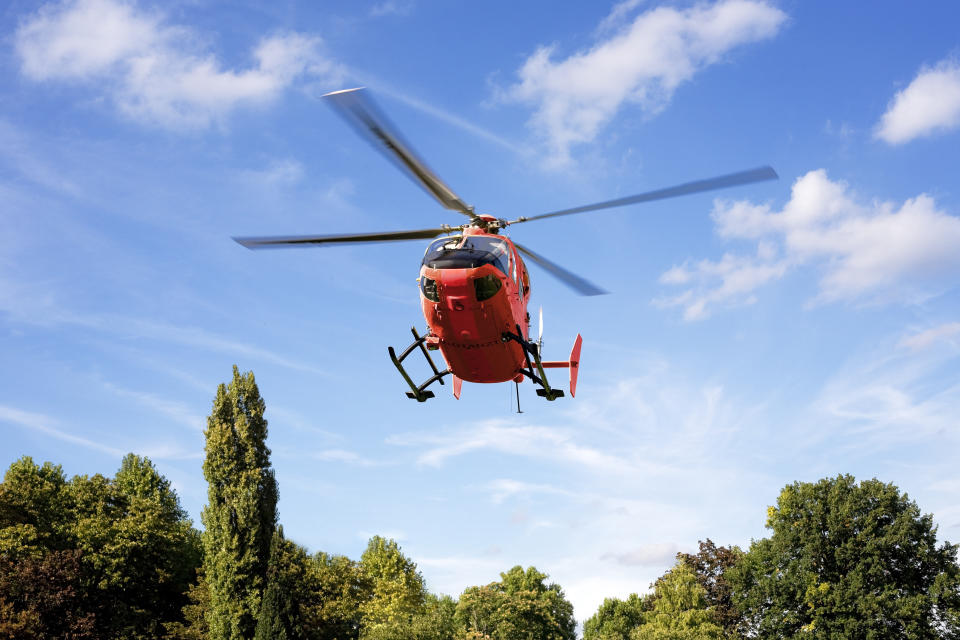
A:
418,393
538,377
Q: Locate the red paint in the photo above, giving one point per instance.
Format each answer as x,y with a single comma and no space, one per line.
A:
469,332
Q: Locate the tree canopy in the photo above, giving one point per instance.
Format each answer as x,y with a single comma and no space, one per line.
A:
520,605
849,560
92,556
100,557
241,511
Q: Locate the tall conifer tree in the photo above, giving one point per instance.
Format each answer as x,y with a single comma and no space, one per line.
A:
241,510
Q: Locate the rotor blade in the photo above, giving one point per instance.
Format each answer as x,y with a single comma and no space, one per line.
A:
275,242
575,282
709,184
358,109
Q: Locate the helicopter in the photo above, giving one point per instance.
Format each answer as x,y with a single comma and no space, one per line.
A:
474,284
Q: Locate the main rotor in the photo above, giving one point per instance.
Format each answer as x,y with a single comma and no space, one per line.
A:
359,110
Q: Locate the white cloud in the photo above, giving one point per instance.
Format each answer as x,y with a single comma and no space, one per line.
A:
390,8
642,63
174,410
44,424
655,554
930,104
505,488
926,338
155,72
494,435
876,252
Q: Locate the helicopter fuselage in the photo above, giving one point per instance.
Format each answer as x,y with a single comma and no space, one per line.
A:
474,289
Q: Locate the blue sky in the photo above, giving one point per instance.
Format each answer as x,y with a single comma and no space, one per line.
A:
782,331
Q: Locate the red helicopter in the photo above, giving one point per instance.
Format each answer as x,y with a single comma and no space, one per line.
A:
474,284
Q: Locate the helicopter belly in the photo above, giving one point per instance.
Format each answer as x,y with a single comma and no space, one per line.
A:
470,333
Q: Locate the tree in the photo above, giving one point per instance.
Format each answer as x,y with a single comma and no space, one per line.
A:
338,587
396,587
710,565
43,598
138,546
679,610
288,592
852,561
615,618
241,510
93,556
435,622
194,625
35,510
521,605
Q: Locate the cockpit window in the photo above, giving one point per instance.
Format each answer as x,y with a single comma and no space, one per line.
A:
470,252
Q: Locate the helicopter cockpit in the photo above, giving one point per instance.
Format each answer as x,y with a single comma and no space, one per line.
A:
467,252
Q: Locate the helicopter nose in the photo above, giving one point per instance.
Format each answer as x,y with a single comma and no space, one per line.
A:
455,290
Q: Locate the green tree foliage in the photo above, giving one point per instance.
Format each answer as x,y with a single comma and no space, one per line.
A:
396,587
35,510
679,610
338,587
520,606
139,545
120,550
616,618
241,510
711,565
287,593
194,625
849,561
436,621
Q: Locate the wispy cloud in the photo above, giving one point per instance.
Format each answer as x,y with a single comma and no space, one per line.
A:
930,104
505,488
391,8
156,72
45,424
655,554
176,410
924,339
495,435
443,115
641,63
39,307
870,252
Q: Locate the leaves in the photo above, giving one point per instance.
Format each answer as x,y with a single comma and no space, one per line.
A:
521,605
849,560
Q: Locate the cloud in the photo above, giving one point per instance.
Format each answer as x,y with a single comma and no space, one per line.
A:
44,424
889,399
641,63
505,488
656,554
874,252
539,442
926,338
172,409
390,8
930,104
155,72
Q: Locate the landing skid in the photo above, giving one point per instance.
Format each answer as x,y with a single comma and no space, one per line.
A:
418,393
534,370
540,378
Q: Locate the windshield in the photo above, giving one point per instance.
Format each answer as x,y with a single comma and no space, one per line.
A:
470,252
